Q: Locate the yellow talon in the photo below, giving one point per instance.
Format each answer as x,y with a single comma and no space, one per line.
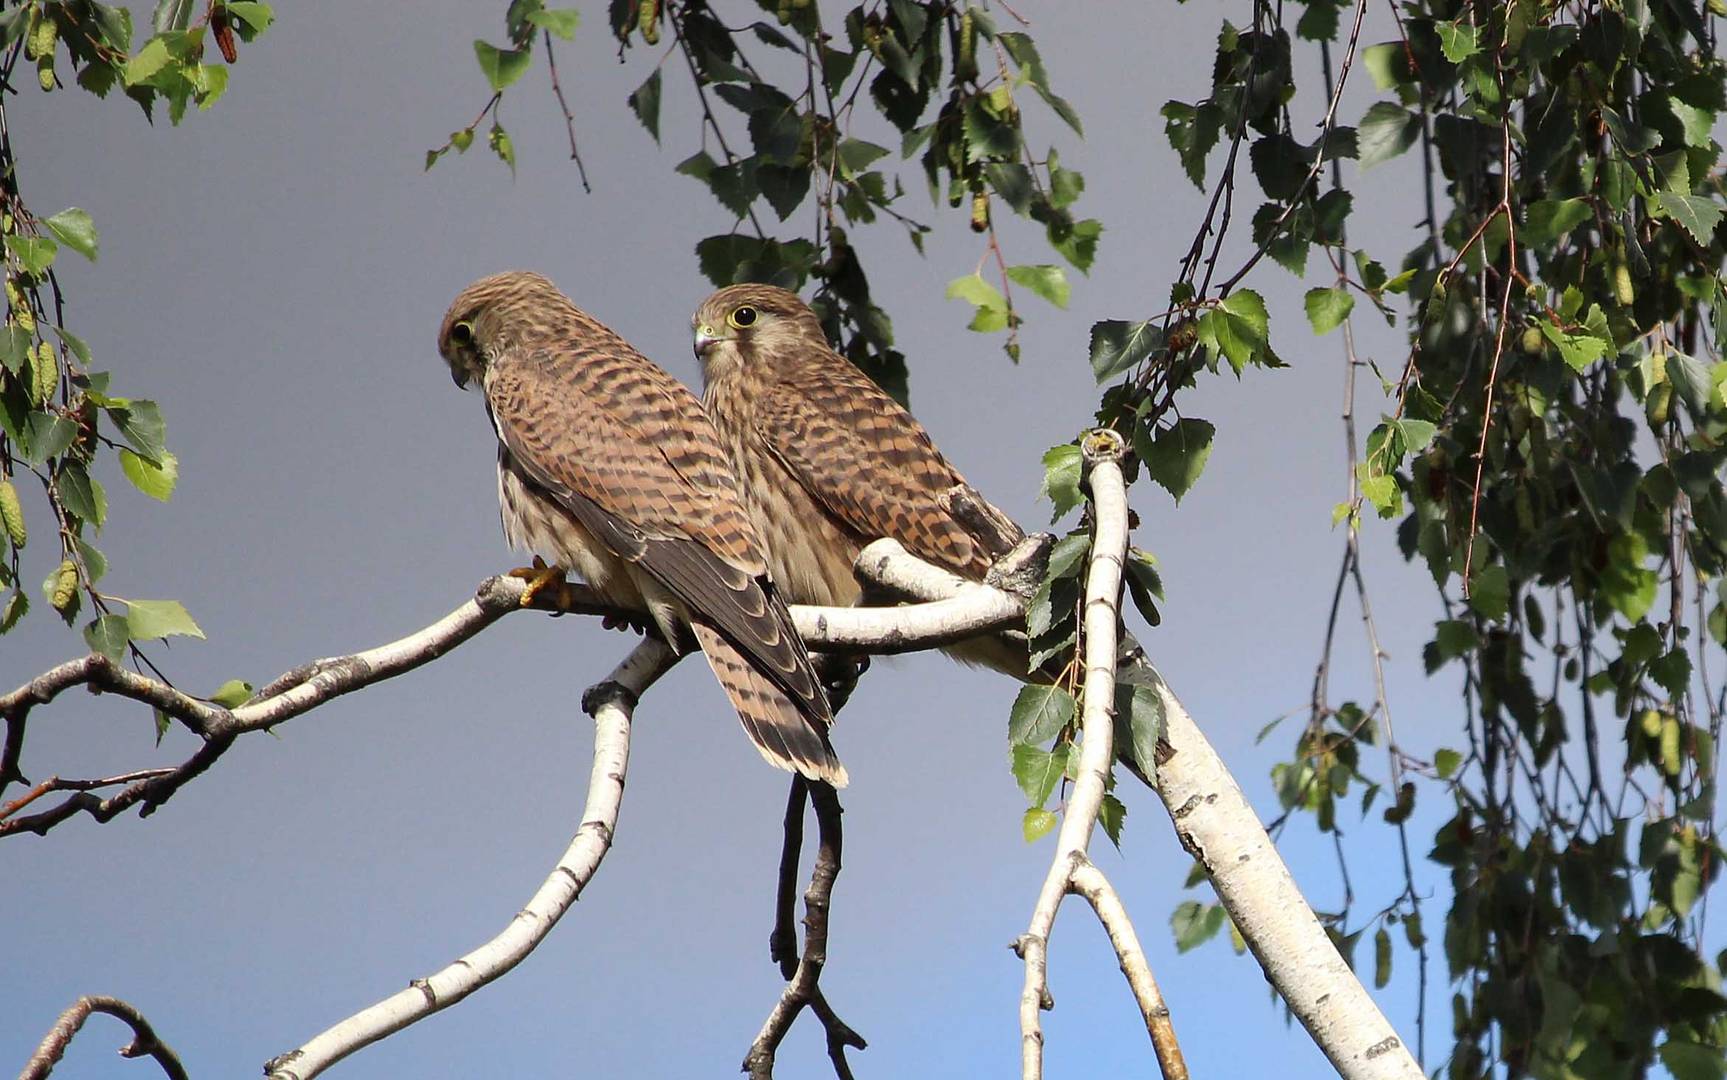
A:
540,578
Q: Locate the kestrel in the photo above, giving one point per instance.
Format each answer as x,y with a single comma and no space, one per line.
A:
829,461
608,466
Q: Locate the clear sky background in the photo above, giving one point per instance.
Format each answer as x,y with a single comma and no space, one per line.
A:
274,271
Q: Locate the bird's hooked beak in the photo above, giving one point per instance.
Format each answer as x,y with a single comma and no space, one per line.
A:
459,376
705,340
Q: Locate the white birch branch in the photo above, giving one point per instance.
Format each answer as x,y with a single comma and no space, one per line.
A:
872,630
1218,827
1102,619
611,704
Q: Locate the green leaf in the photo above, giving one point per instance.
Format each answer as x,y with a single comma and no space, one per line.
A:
1380,489
1048,281
1459,41
1416,434
1037,824
152,619
1454,638
1065,556
173,14
499,140
1076,243
154,478
1490,592
1577,350
109,636
256,16
34,253
1687,1060
16,607
1038,771
1177,455
1112,815
76,230
1692,380
1387,63
501,66
1195,923
1327,308
81,494
1144,585
141,423
1552,219
1236,328
1696,214
645,103
1445,763
1039,713
559,22
15,346
232,694
1138,710
1062,467
146,62
973,289
1385,132
80,350
46,436
1117,346
856,155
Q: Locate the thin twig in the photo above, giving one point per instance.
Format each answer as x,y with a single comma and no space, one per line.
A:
569,118
145,1042
804,977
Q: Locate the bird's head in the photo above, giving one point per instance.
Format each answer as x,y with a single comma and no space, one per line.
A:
473,326
746,324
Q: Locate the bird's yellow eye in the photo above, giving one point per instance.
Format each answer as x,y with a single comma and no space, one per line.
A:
742,317
462,333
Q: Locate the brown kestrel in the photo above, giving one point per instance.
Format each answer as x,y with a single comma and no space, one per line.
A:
608,466
829,461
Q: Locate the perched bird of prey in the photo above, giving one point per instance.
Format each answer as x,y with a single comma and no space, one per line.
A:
829,461
608,466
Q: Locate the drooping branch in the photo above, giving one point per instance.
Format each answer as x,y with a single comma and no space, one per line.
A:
145,1042
1071,865
803,972
611,704
880,630
1211,815
1216,825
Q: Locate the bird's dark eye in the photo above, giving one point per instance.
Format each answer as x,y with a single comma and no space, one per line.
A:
742,317
462,333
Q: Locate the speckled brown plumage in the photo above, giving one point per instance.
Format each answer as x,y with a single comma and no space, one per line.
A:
608,466
829,462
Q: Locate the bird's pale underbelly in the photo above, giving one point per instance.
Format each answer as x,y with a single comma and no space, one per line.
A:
539,527
810,557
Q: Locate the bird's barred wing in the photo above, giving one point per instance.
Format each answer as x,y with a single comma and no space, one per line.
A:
639,466
861,455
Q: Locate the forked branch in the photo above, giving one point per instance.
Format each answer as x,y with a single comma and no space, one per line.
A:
803,972
1071,870
611,704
